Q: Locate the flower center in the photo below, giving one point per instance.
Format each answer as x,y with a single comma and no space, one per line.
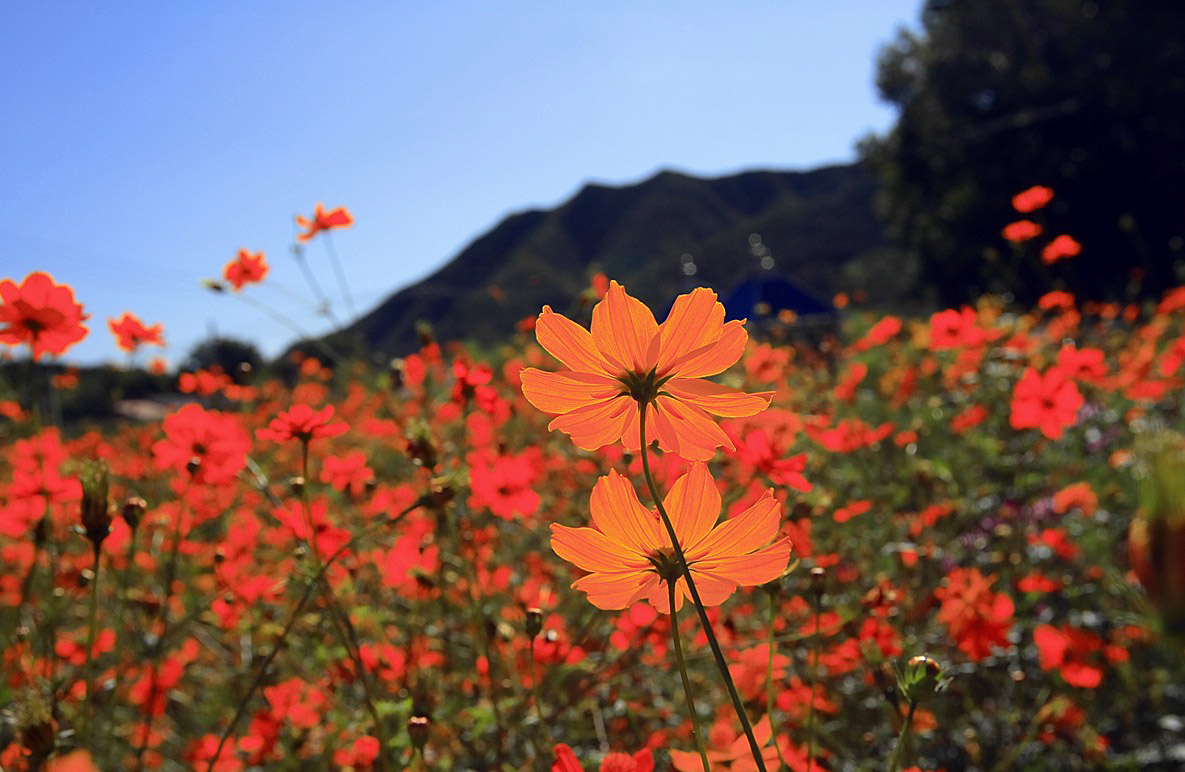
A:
643,388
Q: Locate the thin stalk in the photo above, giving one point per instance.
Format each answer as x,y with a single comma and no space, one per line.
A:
902,739
696,731
88,715
297,610
810,722
315,286
535,693
769,677
341,275
340,618
721,664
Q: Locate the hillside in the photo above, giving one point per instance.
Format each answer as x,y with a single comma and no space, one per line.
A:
818,225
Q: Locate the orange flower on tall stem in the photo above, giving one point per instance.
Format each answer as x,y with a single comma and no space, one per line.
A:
41,314
245,269
628,360
322,221
629,555
130,333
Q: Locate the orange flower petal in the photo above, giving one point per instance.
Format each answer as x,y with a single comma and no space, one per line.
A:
696,320
564,392
623,329
714,357
618,514
717,399
758,567
570,343
615,591
693,504
687,430
590,550
596,425
749,530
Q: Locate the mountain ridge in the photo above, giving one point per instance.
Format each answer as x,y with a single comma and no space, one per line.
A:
816,225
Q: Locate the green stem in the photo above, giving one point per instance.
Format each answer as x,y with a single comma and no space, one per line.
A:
721,664
695,727
535,692
340,619
88,716
769,678
902,740
810,723
241,707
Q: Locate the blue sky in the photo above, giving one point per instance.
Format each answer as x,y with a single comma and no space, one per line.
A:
143,143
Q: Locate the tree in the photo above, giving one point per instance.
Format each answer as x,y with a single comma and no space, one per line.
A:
994,97
226,353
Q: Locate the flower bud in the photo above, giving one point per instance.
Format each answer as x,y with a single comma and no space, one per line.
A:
922,679
133,511
534,622
417,731
96,507
818,580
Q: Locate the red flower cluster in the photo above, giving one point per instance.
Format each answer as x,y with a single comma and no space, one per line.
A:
977,618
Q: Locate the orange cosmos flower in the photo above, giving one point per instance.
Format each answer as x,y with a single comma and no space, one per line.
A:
1062,247
1021,230
245,269
322,221
628,553
1032,199
130,332
628,359
40,313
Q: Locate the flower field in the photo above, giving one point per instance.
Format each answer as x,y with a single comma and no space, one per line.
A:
908,547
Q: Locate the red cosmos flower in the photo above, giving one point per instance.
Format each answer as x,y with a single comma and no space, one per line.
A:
955,329
41,314
75,761
756,448
1079,495
977,618
322,221
1047,402
301,422
642,761
879,334
1032,199
1038,582
629,359
1087,365
130,332
245,269
1056,300
1021,230
1062,247
214,439
503,484
1067,650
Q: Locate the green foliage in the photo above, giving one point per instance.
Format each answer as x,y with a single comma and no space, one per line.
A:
1084,97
